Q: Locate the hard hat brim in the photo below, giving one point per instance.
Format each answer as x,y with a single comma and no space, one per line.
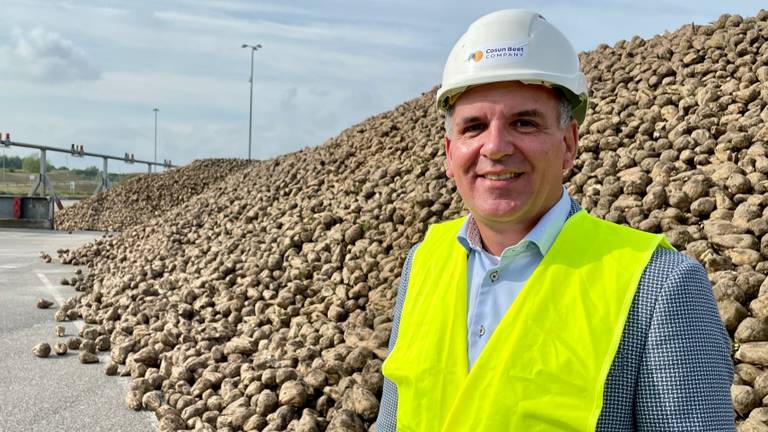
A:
448,94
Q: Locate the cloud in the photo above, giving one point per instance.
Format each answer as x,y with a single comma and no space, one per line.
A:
39,55
369,32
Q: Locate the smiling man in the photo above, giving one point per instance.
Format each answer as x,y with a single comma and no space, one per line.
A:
529,314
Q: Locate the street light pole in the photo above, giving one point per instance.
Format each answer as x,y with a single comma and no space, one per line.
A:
253,48
155,110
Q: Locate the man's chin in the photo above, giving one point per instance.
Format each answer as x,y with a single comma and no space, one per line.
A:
498,215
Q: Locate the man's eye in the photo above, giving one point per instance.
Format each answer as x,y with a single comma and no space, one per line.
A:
523,124
472,128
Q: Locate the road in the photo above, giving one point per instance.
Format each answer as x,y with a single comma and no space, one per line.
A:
55,393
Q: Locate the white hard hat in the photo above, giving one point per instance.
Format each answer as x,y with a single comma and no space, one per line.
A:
514,45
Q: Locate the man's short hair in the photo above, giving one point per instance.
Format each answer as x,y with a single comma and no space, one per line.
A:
566,112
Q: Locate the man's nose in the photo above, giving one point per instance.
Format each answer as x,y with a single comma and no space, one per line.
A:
498,142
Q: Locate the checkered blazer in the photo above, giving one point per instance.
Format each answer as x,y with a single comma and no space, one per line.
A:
672,370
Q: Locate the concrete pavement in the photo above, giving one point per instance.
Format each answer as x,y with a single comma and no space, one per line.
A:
56,393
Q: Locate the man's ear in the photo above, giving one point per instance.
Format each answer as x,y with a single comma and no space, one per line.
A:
448,169
571,142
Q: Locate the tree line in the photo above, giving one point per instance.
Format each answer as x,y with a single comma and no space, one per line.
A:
31,164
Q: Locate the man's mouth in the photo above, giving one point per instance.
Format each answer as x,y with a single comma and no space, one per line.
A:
504,176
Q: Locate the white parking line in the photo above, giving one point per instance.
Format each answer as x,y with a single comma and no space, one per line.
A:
54,293
54,271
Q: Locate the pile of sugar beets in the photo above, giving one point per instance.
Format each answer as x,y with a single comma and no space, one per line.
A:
143,198
263,302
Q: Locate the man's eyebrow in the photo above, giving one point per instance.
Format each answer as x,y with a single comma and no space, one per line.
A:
528,113
469,119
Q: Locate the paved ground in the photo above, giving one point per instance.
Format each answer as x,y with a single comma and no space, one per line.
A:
57,393
69,202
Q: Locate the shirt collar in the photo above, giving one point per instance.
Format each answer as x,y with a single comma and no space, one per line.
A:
542,235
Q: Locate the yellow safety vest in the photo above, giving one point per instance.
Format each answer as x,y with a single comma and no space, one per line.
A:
545,365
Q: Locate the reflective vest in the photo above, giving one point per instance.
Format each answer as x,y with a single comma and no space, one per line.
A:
545,365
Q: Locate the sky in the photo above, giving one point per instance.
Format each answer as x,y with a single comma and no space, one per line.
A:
91,72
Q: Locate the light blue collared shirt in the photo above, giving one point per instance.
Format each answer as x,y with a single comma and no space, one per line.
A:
495,282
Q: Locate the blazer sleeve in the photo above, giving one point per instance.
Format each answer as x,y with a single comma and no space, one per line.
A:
686,370
387,418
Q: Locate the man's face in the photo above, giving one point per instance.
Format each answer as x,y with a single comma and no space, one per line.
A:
507,152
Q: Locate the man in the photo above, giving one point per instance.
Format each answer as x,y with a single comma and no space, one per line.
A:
530,314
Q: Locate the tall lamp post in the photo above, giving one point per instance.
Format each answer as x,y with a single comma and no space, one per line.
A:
253,48
155,110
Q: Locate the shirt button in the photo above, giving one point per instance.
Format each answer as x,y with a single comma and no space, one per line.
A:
482,330
494,276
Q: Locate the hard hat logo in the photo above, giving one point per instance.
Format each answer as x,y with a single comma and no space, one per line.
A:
475,56
500,53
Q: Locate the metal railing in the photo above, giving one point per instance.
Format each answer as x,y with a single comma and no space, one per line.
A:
43,183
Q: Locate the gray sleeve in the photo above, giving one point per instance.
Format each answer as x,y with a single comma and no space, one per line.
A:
686,370
387,419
